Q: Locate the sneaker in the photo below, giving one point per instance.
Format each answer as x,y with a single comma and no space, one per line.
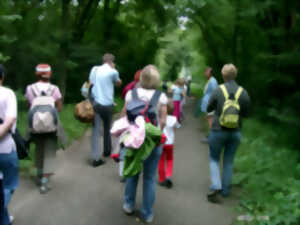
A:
44,189
149,220
97,163
169,183
128,211
162,183
205,140
214,196
11,219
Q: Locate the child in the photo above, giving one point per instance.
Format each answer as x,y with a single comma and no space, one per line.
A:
165,166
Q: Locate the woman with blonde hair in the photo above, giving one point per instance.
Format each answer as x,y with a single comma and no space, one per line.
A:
149,82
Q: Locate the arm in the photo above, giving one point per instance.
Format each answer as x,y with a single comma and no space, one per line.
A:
118,83
6,126
163,116
58,105
212,103
245,103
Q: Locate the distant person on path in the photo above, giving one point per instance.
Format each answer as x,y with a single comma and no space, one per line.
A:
9,164
178,92
226,130
133,84
150,81
46,144
103,78
210,86
188,84
165,166
164,87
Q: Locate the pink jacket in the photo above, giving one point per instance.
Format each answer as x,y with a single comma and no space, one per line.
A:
132,135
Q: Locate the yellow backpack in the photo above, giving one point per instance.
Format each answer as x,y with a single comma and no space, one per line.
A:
231,109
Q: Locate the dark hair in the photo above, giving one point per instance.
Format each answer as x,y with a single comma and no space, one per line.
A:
2,71
108,57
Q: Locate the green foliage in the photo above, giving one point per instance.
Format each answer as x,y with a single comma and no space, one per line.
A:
269,174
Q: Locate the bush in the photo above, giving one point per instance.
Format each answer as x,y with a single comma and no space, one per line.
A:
269,175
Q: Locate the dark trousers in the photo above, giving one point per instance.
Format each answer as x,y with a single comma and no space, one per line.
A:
103,114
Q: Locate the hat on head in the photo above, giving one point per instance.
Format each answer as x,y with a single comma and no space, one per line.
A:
43,70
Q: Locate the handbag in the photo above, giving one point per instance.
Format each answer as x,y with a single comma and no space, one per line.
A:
84,111
22,145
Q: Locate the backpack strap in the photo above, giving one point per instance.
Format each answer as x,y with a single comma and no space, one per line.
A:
134,93
35,90
50,90
224,90
238,93
154,100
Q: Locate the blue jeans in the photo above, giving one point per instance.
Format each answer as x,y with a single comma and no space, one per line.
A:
229,140
149,185
9,166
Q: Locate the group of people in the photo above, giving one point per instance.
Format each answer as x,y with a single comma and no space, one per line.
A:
166,115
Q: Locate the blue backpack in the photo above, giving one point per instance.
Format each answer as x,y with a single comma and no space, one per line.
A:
137,107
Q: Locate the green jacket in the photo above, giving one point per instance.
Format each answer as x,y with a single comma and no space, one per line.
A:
134,158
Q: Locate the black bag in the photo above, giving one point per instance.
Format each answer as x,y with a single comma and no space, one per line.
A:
137,107
21,144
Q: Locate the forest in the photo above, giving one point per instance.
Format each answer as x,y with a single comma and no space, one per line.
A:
261,37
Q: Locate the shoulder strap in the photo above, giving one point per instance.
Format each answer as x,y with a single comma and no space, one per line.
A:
35,90
155,98
238,93
50,90
224,90
134,93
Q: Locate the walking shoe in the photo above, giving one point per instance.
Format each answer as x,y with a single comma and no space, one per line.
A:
162,183
97,163
44,189
169,183
11,220
149,220
214,196
128,211
205,140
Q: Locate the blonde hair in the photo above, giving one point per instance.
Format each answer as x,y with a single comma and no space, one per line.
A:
180,81
229,71
150,78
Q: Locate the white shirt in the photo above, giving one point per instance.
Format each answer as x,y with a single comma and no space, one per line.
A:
171,124
8,108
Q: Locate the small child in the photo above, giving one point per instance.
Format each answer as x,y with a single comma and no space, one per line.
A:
165,166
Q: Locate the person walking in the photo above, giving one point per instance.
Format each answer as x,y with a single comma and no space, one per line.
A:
103,78
230,102
46,143
178,93
9,165
149,81
165,166
210,86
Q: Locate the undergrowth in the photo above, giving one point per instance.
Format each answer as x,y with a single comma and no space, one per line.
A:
269,174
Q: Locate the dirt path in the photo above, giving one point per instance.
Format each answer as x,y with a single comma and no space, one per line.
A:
83,195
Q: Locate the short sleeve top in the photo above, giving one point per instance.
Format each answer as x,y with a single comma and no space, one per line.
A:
8,109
